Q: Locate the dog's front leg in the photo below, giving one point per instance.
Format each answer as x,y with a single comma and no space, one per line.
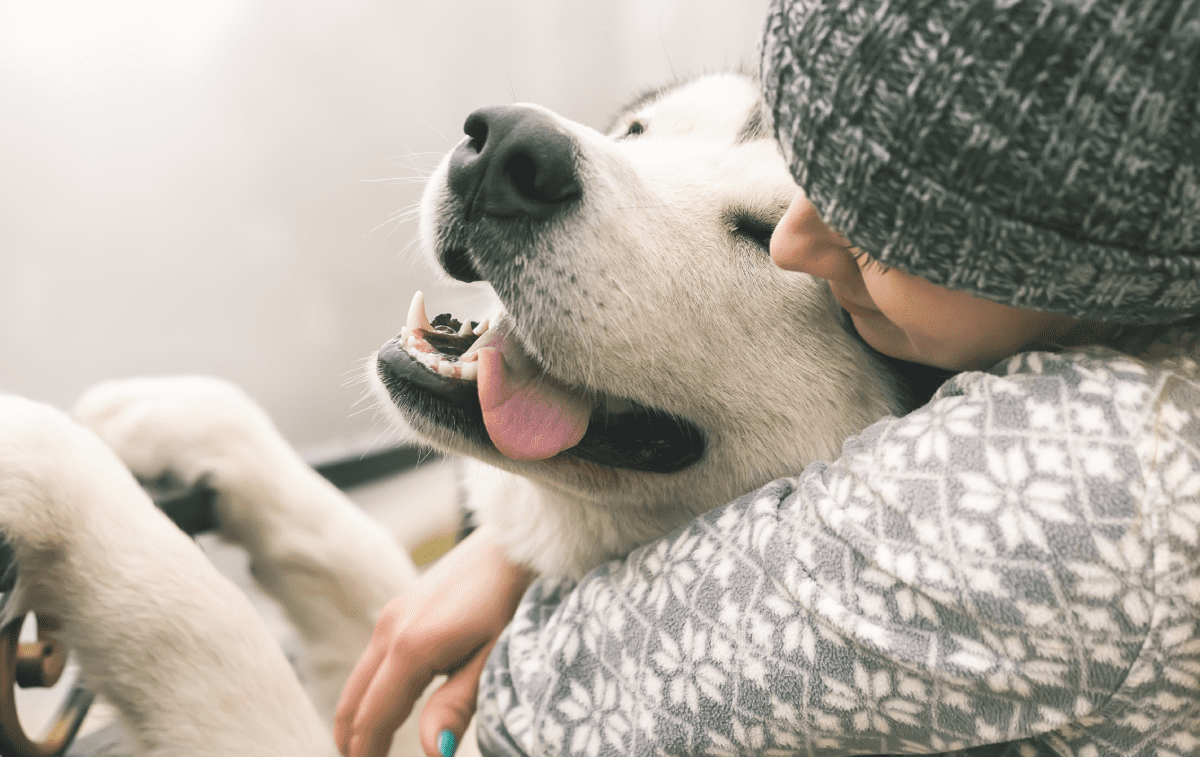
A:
158,632
330,565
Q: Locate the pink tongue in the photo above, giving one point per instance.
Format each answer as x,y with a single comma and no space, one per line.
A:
528,415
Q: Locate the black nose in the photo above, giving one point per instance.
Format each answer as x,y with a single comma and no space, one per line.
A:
517,163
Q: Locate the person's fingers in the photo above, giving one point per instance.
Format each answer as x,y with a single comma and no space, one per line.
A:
380,691
352,695
384,706
360,679
394,671
442,624
450,708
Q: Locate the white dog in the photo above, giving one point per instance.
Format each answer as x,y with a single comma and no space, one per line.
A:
650,363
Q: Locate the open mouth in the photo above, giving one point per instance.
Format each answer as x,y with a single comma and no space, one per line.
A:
478,381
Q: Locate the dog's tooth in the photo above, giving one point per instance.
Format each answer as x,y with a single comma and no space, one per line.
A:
445,368
470,371
482,327
490,336
465,330
416,313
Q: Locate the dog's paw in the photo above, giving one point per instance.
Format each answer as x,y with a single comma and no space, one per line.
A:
37,444
189,428
57,481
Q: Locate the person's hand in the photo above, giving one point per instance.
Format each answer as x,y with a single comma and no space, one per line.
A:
447,624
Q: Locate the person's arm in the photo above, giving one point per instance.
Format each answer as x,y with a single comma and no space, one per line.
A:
447,624
979,571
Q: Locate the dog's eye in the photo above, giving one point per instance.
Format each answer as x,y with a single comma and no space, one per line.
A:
755,229
635,128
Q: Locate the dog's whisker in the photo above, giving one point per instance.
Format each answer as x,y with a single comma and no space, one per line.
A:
396,180
398,218
358,378
404,250
356,411
406,213
666,53
433,155
380,439
439,133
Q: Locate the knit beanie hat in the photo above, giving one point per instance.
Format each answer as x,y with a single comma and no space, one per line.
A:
1038,153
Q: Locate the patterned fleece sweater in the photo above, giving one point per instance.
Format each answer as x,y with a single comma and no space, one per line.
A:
1013,569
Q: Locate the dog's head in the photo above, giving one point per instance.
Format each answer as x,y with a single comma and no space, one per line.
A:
648,351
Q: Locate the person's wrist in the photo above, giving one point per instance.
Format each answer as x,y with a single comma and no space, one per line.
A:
515,576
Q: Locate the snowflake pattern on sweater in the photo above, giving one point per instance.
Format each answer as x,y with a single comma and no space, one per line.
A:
1013,569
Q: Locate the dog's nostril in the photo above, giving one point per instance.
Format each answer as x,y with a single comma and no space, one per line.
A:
476,130
539,175
522,172
548,182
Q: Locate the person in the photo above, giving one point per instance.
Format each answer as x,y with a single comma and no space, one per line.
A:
1008,187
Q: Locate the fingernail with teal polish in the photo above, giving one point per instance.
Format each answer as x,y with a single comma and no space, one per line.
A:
447,743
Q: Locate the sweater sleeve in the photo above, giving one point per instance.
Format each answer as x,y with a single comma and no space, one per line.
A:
1011,569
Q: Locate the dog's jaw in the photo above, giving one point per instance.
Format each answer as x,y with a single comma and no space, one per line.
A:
447,375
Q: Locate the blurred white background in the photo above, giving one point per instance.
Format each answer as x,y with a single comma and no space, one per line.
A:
221,186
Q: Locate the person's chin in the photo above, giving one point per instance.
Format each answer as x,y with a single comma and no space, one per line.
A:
881,334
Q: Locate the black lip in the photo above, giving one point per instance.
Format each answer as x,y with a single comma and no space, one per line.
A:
448,402
457,263
642,439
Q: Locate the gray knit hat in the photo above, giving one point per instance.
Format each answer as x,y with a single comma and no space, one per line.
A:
1041,154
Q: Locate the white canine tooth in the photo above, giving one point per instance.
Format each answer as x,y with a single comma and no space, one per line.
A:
416,313
465,329
470,371
445,368
482,327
